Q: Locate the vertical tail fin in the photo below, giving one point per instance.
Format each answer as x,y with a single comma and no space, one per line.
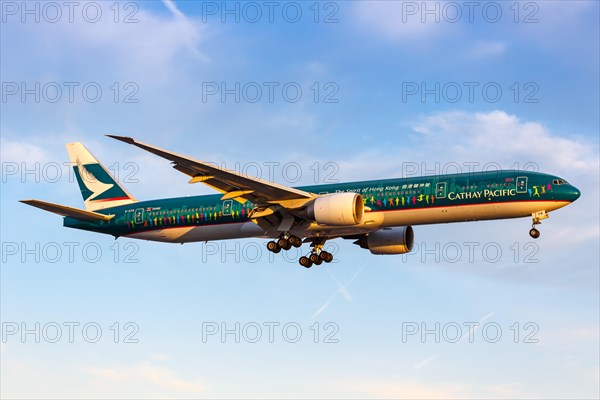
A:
98,188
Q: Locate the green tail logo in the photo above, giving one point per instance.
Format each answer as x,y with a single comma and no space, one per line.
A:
98,188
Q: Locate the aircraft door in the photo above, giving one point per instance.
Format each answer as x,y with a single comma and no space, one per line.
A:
522,184
139,215
440,190
227,205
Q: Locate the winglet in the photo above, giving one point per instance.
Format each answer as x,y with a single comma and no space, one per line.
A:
125,139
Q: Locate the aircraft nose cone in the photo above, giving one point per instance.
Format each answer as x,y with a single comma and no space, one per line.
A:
574,194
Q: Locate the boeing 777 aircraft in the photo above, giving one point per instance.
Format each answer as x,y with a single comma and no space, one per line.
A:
377,214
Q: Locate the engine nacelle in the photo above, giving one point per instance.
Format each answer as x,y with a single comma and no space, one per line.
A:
398,240
337,209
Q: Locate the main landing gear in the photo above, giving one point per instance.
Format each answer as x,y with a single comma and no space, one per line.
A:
537,217
285,242
316,256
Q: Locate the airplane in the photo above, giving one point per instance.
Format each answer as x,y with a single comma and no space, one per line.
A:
378,215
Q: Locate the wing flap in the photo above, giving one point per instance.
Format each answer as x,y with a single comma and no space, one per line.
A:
67,211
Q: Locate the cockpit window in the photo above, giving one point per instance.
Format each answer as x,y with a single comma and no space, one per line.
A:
560,182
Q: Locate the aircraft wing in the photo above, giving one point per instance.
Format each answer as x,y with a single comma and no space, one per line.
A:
232,184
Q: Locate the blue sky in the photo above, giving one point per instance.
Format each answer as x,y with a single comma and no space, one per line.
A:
362,115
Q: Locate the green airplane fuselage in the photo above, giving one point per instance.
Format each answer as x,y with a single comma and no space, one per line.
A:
436,193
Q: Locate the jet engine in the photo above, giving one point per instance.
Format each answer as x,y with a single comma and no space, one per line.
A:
398,240
337,209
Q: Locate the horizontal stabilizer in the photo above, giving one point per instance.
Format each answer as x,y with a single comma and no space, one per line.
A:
67,211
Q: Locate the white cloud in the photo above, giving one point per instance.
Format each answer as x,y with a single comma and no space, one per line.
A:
405,389
146,50
507,390
495,139
56,377
192,31
508,138
411,388
555,18
22,152
394,20
160,356
564,337
173,8
150,375
487,49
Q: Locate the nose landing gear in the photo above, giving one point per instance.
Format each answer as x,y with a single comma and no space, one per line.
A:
534,233
537,217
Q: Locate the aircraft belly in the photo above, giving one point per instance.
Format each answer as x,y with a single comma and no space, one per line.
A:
201,233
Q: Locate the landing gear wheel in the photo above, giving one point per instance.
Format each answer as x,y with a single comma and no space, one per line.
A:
273,246
295,241
283,243
326,256
314,258
319,261
534,233
305,262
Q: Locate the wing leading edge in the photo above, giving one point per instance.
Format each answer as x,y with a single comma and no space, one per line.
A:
232,184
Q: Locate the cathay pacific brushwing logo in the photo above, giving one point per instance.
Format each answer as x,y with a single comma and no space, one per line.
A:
92,183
